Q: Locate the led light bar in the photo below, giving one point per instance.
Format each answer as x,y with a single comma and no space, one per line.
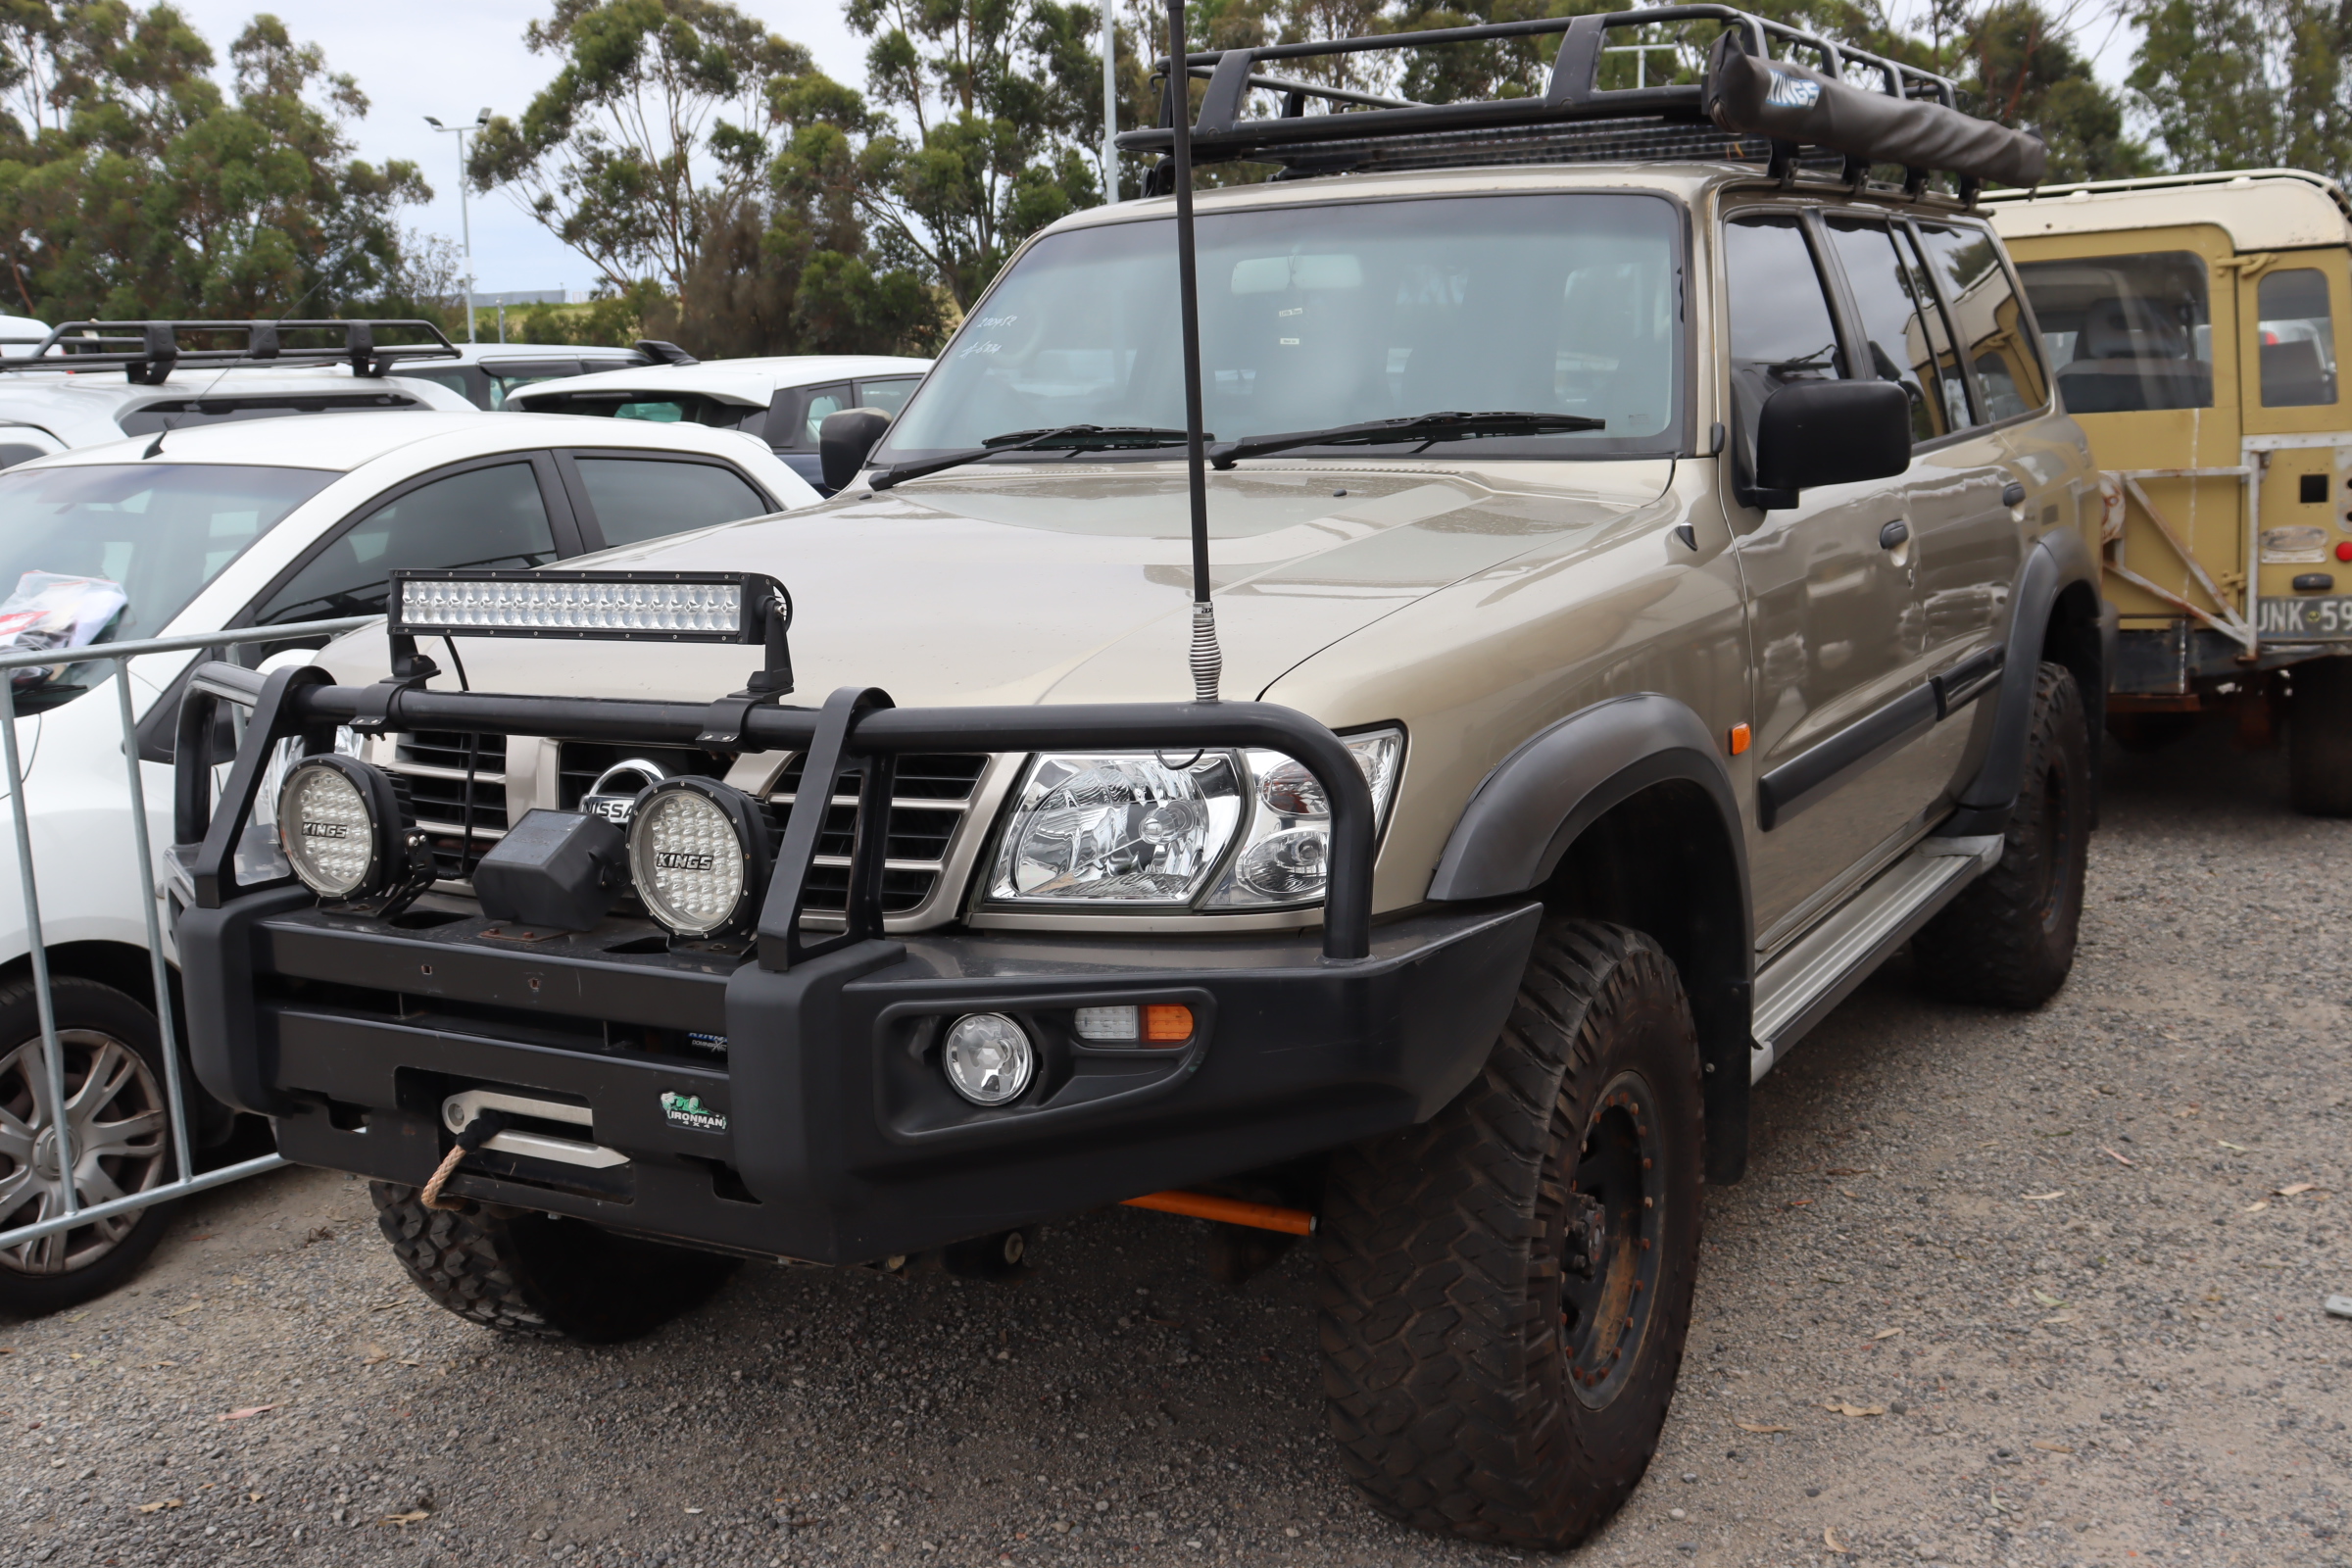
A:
690,607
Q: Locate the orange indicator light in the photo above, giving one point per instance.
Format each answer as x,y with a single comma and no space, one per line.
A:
1167,1024
1739,739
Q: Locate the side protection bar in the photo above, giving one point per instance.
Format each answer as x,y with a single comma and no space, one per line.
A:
855,727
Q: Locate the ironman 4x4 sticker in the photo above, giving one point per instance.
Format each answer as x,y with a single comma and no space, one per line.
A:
688,1110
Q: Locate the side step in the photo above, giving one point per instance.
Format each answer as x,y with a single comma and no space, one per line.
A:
1797,989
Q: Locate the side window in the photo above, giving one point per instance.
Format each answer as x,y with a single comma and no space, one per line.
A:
1780,327
2126,332
486,517
1894,326
2001,354
888,395
2298,338
820,401
637,499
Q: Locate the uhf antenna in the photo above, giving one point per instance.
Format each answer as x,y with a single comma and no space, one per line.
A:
1208,662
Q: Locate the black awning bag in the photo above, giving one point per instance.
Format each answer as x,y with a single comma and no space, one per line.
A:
1777,98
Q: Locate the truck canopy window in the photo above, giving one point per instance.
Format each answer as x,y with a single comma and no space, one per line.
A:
2298,338
2126,332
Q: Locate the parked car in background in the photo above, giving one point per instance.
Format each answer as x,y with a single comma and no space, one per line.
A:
232,525
139,379
2199,323
486,375
783,401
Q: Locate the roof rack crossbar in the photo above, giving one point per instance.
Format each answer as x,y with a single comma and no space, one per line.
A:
1572,91
147,352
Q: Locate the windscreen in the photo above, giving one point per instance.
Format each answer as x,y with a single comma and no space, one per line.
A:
159,530
1336,313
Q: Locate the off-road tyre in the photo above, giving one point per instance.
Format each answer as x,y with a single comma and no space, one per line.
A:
1462,1395
531,1275
2319,738
101,1256
2008,939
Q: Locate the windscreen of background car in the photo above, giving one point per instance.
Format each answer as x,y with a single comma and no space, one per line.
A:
163,530
1318,316
2125,333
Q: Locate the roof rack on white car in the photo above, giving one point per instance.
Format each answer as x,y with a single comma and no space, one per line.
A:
1727,98
149,350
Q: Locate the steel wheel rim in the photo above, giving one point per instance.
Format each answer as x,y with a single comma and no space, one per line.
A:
1619,1189
117,1124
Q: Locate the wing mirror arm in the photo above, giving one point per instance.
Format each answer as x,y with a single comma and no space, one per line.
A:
843,441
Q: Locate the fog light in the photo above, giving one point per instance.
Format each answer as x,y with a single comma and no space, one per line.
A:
988,1058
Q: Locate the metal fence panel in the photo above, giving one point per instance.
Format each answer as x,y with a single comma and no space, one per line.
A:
70,1214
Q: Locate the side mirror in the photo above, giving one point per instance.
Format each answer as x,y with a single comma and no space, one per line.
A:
843,440
1830,432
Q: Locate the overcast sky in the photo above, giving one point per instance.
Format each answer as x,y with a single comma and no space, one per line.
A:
448,58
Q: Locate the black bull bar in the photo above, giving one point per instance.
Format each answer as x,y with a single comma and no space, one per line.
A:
844,1150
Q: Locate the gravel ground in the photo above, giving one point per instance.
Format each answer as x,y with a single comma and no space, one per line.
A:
2001,1288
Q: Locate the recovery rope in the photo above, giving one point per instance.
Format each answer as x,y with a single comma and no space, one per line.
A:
486,1125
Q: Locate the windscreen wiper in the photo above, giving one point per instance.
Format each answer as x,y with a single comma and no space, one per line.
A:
1066,437
1425,428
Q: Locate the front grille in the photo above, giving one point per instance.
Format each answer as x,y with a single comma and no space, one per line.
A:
929,802
579,763
435,762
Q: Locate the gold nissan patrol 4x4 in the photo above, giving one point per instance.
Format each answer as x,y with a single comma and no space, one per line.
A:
1377,707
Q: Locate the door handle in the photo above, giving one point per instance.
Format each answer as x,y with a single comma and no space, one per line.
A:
2013,494
1893,534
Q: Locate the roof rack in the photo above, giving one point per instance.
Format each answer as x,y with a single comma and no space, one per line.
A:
1749,105
149,350
2216,176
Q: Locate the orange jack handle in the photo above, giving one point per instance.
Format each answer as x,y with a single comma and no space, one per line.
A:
1229,1210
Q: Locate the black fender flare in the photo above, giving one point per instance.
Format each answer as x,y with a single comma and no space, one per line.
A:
2057,562
1525,813
1538,802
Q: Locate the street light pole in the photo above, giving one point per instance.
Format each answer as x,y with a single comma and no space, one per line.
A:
464,219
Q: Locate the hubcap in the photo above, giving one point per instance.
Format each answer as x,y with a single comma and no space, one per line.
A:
1610,1231
117,1124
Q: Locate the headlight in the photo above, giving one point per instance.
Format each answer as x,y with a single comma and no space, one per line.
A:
1286,857
344,827
1131,829
699,853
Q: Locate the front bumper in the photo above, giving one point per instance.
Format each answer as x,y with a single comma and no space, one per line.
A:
841,1141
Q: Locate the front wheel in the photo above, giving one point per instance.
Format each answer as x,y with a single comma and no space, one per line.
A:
538,1276
1506,1289
119,1130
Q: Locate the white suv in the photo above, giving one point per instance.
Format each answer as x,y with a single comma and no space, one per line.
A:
248,524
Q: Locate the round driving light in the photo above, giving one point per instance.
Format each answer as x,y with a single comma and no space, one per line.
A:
699,853
334,816
988,1058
